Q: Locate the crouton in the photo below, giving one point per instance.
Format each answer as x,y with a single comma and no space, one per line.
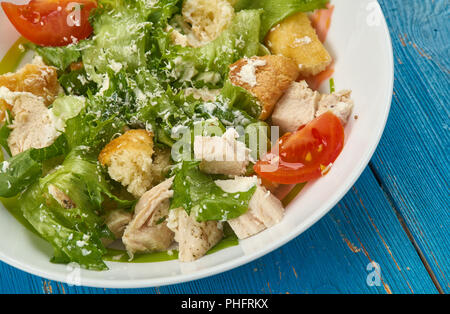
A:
221,155
148,231
295,38
4,106
207,18
265,210
117,220
297,107
35,78
194,238
129,160
267,78
339,103
33,126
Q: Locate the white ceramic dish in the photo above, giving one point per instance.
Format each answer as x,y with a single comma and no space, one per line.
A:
360,43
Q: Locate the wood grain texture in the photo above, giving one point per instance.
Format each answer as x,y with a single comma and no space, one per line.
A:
413,158
407,182
331,257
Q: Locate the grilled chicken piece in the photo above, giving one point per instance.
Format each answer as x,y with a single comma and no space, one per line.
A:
339,103
148,230
194,238
117,220
33,127
62,198
265,211
221,155
296,108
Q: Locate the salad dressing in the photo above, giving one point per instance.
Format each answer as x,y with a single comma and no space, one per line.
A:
13,57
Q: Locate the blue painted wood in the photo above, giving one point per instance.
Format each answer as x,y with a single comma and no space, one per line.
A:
413,158
331,257
410,165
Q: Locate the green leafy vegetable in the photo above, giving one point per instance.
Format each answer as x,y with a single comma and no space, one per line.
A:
60,57
276,11
208,65
5,131
119,41
196,191
240,98
75,231
24,169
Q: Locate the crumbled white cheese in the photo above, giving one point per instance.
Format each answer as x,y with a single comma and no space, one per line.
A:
301,41
5,166
115,66
237,185
247,74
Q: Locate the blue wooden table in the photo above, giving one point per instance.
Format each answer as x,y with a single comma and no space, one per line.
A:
394,221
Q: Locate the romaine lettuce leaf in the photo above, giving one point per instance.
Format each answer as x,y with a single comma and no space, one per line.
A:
240,98
276,11
60,57
70,245
119,41
196,191
5,131
24,169
75,231
208,65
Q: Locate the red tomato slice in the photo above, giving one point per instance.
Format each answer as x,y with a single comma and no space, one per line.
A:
51,22
306,154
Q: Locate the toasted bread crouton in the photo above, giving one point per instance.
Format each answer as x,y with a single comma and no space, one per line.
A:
339,103
194,238
295,38
4,106
265,210
267,78
297,107
221,155
35,78
148,229
33,126
129,160
208,18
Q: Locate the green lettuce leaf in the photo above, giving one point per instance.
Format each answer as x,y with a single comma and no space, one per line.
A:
276,11
70,244
208,65
196,191
60,57
240,98
22,170
75,232
119,41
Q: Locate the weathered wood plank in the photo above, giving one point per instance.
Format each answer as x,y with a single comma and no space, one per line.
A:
413,157
331,257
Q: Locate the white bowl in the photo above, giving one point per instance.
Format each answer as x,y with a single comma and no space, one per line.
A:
360,43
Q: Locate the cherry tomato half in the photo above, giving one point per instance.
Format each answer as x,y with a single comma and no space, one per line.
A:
305,154
51,22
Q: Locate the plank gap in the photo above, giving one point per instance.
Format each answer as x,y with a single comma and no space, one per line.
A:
408,232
